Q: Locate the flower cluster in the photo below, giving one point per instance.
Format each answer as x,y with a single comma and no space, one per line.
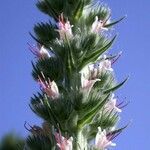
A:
96,69
99,67
90,74
64,28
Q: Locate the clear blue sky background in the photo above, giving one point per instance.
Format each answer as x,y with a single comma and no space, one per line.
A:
16,85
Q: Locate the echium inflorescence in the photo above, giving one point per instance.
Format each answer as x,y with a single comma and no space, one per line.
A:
71,113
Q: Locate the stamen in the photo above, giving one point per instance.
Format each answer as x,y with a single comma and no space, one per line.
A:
117,57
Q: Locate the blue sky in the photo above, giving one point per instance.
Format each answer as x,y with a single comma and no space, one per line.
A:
16,85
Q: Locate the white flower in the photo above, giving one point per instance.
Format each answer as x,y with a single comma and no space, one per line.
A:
86,82
93,71
90,74
50,88
63,143
111,105
101,140
105,64
98,25
44,52
64,28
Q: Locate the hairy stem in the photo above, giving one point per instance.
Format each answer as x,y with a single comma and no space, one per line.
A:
81,142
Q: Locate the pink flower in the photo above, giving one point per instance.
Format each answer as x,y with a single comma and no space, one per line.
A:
64,28
50,88
86,84
98,25
102,142
40,51
112,105
63,143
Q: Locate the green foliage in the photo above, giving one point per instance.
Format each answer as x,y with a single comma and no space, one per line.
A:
52,68
39,142
46,32
70,8
89,115
92,57
105,120
93,10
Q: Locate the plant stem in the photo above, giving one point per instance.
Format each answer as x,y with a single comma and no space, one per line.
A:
81,142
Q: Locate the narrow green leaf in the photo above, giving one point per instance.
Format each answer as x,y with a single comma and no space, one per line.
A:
118,131
71,123
115,22
92,113
37,40
116,87
70,53
51,113
79,10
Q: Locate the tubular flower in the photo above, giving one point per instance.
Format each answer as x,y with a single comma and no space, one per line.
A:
50,88
64,28
40,51
105,64
98,25
112,105
63,143
87,84
102,142
95,70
